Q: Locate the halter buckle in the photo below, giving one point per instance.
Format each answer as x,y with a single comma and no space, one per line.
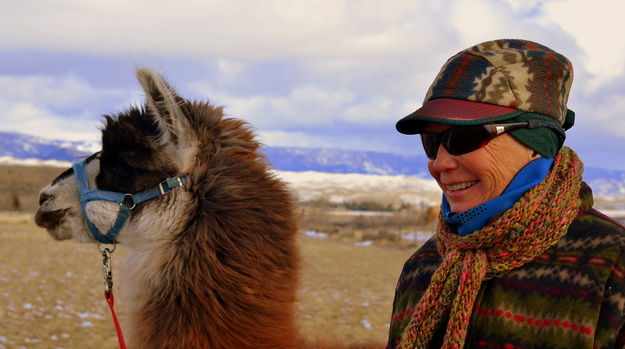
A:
172,183
128,201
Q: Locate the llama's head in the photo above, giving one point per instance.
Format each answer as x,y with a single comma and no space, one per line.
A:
141,147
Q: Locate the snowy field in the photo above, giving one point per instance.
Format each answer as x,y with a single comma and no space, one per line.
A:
339,188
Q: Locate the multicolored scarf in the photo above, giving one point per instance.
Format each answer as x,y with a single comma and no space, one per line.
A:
477,217
536,222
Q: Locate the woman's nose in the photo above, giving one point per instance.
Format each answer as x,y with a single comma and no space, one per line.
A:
444,161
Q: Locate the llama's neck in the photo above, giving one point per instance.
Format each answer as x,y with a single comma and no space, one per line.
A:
227,280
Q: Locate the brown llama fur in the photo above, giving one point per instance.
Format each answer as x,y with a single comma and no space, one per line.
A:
213,264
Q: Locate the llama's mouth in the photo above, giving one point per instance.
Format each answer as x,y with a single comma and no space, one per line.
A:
50,219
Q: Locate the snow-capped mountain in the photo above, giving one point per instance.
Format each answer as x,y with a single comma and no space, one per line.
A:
21,146
345,161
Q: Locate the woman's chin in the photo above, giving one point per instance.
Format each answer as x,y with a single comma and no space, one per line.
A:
465,199
460,207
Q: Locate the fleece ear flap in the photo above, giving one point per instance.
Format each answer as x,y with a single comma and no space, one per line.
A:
164,103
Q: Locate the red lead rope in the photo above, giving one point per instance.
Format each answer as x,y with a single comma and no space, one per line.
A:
108,291
111,302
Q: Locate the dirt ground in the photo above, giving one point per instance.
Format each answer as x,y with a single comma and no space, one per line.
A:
51,292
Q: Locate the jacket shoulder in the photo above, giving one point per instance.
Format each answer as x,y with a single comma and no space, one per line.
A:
597,228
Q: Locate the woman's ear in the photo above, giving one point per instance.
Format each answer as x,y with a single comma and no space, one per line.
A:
536,155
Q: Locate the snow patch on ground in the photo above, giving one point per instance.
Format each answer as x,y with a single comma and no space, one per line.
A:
417,236
314,234
9,160
353,187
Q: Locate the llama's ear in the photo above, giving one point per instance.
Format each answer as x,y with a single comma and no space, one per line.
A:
163,101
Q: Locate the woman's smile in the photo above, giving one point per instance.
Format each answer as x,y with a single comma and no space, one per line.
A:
459,186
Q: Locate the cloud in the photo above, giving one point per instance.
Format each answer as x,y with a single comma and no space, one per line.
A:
604,117
330,30
303,107
584,31
64,107
375,110
66,92
597,28
374,141
483,17
598,135
523,6
279,138
31,119
229,29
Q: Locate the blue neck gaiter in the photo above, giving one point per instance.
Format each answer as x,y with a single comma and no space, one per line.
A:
477,217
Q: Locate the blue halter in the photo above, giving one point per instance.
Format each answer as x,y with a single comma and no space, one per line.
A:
126,201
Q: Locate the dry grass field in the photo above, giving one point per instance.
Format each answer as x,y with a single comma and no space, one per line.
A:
51,292
20,185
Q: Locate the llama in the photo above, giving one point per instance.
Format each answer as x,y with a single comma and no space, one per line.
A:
213,264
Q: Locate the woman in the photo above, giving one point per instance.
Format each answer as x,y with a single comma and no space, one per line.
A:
520,258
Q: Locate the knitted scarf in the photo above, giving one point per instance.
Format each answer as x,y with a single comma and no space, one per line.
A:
536,222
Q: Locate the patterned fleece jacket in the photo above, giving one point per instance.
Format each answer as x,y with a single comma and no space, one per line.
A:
571,296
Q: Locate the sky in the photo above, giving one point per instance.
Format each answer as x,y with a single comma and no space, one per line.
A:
327,73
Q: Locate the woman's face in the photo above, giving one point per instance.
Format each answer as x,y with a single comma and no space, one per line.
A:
473,178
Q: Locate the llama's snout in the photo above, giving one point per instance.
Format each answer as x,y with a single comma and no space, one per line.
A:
49,219
53,219
49,216
43,197
45,216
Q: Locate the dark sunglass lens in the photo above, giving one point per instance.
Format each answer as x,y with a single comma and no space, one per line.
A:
464,140
430,144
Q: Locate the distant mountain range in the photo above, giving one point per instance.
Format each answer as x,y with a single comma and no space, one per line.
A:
21,146
345,161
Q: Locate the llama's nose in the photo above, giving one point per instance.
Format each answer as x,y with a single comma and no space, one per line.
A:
43,197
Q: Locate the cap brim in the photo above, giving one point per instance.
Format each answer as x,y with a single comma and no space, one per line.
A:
455,112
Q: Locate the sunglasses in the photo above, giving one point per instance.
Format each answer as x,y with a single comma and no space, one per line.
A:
465,139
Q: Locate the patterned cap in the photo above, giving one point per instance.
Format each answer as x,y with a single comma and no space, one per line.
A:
493,81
